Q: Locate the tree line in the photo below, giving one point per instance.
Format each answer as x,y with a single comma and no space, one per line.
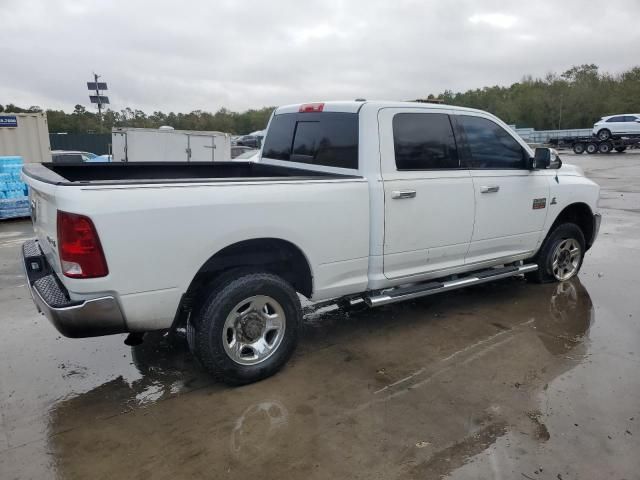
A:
83,121
575,98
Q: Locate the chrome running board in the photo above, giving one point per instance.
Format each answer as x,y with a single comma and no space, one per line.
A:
400,294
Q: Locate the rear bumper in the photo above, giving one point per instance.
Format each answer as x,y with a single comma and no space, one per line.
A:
86,318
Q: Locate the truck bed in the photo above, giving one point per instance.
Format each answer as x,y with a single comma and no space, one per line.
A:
167,172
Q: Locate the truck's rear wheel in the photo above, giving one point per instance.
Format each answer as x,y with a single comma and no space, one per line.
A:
578,148
560,256
247,328
592,148
605,147
620,149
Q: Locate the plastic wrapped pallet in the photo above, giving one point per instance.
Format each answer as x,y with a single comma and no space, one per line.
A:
14,200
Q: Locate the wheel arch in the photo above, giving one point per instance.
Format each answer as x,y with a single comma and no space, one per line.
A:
273,255
581,214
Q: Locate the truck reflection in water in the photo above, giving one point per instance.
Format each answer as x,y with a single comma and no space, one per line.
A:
460,369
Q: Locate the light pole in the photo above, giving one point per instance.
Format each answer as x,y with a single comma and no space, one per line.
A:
98,98
560,114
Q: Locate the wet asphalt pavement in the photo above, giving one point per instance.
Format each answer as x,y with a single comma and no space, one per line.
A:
502,381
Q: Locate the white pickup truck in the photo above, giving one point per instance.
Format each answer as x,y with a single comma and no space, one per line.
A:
362,200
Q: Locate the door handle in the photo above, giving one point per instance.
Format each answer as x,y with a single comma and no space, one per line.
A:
400,194
490,189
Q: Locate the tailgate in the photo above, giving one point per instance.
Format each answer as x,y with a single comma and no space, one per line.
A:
43,215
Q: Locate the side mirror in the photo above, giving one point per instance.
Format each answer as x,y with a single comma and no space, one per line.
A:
545,158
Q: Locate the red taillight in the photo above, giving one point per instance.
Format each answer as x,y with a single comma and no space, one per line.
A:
80,251
311,107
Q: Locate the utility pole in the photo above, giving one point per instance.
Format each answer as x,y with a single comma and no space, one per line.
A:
95,79
98,98
560,115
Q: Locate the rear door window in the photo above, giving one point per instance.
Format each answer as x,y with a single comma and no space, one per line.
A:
489,146
616,119
424,141
328,139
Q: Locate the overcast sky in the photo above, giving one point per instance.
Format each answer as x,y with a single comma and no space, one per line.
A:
207,54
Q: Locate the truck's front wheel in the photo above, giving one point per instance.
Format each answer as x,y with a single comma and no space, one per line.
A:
247,328
560,256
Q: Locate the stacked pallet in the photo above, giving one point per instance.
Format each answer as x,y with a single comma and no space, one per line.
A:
14,200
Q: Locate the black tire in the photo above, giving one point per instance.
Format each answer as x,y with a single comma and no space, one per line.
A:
578,148
605,147
544,257
620,149
604,134
207,331
591,148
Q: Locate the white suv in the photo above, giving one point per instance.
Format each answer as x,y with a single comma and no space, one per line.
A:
625,124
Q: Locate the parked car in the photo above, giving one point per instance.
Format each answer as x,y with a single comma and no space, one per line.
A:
72,156
352,201
615,125
253,140
238,150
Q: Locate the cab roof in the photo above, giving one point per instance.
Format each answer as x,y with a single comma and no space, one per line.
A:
354,106
621,115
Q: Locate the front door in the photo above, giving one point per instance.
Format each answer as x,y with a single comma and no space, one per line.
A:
428,197
511,200
616,125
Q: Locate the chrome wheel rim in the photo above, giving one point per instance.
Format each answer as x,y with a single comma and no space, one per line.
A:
566,259
253,330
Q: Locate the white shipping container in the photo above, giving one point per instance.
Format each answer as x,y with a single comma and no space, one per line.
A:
168,145
25,135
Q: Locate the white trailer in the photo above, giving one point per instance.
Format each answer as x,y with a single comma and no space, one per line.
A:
168,145
25,135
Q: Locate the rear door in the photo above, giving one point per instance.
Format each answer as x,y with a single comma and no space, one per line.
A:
201,148
119,146
156,146
175,147
511,200
221,148
428,196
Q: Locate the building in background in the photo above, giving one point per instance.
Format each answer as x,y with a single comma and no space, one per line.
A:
25,135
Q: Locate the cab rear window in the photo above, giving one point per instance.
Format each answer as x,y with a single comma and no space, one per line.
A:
328,139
